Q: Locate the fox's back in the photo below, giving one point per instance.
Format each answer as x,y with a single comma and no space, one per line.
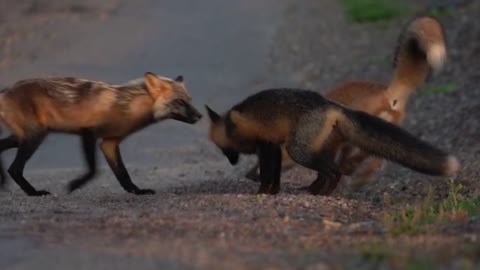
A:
66,104
356,93
271,114
369,97
279,103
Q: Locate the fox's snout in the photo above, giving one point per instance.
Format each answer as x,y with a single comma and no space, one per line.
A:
185,112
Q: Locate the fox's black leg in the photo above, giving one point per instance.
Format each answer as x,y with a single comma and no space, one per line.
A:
253,174
328,175
5,144
270,162
8,143
327,178
88,145
111,150
310,149
25,150
3,177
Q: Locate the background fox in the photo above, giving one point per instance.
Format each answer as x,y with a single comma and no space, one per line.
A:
304,121
33,108
421,47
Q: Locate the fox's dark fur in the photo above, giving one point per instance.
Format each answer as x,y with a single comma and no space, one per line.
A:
303,121
94,110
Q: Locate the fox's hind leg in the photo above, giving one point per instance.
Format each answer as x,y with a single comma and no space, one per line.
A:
270,162
26,149
365,175
5,144
327,178
308,145
88,144
111,150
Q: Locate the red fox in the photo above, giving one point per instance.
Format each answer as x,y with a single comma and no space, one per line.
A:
304,121
421,46
35,107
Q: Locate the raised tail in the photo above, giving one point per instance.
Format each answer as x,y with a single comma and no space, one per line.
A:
421,47
389,141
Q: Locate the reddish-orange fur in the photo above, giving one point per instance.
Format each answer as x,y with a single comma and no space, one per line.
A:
98,111
33,108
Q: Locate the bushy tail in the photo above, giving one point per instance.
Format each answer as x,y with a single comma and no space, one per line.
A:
389,141
421,46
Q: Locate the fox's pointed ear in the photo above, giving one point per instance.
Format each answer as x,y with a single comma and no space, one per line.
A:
214,117
155,85
179,79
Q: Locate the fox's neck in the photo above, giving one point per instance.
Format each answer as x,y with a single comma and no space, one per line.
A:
407,77
398,94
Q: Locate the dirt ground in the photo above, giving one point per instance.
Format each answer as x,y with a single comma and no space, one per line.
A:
205,214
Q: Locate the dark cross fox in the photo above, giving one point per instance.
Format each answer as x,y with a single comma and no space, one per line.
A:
303,121
35,107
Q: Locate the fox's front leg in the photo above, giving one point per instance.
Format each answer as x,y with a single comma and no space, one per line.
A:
3,176
111,150
5,144
287,163
26,148
270,162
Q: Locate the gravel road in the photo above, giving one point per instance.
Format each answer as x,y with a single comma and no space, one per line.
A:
205,214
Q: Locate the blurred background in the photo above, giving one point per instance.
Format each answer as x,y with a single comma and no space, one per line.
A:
218,46
204,216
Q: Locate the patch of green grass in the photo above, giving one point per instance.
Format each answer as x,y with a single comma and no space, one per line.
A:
260,198
439,12
456,202
373,10
376,254
382,253
441,89
436,11
420,264
379,61
428,216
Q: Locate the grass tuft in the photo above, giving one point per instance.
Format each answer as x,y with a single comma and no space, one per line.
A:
441,89
373,10
429,216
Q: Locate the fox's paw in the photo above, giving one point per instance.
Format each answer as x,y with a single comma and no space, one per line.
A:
264,189
321,192
143,192
74,185
39,193
274,189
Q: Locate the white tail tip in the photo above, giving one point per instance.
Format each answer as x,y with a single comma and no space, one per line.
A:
436,56
452,166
